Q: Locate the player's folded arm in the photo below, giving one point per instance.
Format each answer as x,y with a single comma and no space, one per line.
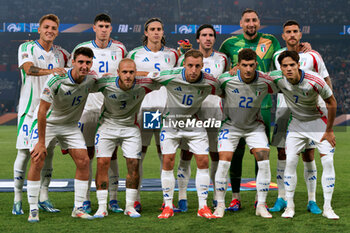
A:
32,70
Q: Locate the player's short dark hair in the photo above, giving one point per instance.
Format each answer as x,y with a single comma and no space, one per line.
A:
247,55
248,10
193,53
290,23
292,54
148,22
51,17
83,51
102,17
204,26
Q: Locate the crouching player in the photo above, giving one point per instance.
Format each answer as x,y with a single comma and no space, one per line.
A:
187,88
61,105
244,93
301,91
123,97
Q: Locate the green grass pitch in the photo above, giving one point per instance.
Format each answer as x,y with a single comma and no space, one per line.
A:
242,221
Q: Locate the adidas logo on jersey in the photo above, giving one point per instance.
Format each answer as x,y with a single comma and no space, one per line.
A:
235,91
68,93
145,60
41,57
178,88
113,96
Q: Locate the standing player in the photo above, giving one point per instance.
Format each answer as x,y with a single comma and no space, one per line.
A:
309,61
107,55
152,56
301,91
36,59
62,102
123,97
214,63
186,90
244,93
265,45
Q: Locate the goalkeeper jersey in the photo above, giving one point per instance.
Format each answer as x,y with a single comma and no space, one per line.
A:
265,45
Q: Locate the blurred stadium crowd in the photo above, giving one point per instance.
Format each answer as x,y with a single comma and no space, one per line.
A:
174,11
335,53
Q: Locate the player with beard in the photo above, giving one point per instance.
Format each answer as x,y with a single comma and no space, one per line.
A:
309,61
215,63
107,55
265,45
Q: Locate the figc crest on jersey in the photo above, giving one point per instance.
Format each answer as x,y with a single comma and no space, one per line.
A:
167,58
114,55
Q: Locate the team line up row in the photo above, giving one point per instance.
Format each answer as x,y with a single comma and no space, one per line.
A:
186,89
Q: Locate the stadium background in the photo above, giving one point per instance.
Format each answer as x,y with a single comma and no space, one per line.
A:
325,24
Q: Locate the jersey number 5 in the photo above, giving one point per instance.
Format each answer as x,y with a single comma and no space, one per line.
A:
156,66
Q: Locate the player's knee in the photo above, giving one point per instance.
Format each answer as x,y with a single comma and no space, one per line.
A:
37,165
261,154
327,162
133,164
168,159
103,163
134,174
38,162
83,162
291,162
202,162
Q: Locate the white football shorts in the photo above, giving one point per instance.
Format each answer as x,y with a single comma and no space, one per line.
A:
108,137
197,140
229,137
301,132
